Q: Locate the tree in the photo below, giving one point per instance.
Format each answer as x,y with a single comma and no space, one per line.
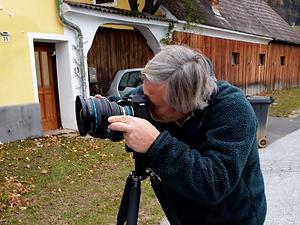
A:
151,6
288,9
133,5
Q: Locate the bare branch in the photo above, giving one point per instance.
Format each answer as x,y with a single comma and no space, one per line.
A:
133,5
150,7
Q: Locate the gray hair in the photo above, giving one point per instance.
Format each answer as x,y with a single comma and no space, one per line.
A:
187,74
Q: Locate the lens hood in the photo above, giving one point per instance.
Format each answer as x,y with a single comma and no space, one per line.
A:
82,116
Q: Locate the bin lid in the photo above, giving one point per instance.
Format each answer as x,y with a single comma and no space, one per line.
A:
260,99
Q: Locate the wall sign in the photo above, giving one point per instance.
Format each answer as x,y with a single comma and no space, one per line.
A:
5,36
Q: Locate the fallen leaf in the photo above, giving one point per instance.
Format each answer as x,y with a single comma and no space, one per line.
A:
44,172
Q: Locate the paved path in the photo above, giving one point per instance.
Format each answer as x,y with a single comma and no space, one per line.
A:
278,127
280,163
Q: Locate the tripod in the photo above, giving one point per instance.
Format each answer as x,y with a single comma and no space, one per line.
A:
130,202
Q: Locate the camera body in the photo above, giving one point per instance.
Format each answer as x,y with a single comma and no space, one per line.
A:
92,114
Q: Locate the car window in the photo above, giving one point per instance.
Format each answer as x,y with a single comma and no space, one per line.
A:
123,82
134,79
130,79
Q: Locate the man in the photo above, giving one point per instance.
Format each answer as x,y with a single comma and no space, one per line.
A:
203,146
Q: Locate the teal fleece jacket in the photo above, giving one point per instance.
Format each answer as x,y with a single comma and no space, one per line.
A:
210,164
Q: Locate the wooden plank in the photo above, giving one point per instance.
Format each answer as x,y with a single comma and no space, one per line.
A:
115,49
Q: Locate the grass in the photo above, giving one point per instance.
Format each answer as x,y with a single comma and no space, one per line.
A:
287,102
67,180
75,180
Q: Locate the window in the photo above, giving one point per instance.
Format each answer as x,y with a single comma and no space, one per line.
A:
134,79
123,82
130,79
92,75
235,58
282,60
45,69
262,59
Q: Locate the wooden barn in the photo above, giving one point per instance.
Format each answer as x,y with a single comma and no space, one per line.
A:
261,53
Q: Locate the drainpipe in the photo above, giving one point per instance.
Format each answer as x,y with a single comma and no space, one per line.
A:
78,32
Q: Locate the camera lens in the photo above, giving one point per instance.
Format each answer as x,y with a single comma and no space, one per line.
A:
92,114
82,116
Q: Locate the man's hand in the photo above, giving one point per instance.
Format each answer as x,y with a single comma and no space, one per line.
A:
139,134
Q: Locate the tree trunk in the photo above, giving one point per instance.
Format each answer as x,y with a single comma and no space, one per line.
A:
133,5
150,7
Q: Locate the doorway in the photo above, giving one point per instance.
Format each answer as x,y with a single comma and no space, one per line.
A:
45,63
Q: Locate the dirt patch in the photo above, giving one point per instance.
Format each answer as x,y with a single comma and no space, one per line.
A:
294,113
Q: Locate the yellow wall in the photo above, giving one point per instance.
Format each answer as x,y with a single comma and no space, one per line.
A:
19,18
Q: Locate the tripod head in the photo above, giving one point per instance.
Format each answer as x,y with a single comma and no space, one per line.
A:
140,164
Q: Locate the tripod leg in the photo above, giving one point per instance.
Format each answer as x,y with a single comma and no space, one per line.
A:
134,202
130,202
122,214
164,200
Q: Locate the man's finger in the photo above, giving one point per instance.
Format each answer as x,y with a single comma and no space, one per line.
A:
122,119
99,96
119,126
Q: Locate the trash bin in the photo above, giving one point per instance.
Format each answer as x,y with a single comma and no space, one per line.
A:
260,105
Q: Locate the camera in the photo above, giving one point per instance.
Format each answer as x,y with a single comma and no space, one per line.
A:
92,114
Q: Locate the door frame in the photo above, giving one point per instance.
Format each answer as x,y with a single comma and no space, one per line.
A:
61,45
